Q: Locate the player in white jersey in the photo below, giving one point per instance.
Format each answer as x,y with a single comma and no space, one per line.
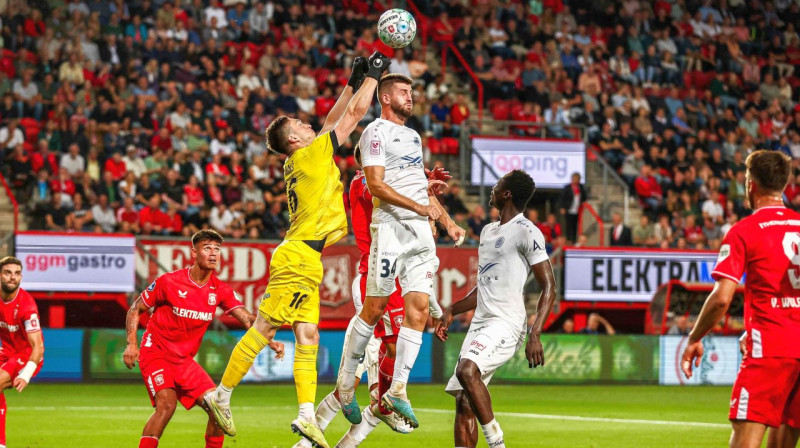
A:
402,244
508,250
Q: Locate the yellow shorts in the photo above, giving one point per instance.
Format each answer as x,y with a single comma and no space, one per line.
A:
292,294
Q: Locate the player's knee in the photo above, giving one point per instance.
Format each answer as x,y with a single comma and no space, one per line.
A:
166,406
467,373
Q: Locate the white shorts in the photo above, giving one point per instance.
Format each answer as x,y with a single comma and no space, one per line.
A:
489,345
401,249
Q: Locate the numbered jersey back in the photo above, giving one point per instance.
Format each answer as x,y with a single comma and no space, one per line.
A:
765,249
315,193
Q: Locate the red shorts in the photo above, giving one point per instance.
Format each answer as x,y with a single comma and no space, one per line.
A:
392,318
766,391
13,363
186,376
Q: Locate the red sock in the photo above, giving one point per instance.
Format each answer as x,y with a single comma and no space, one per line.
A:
214,441
3,410
385,374
148,442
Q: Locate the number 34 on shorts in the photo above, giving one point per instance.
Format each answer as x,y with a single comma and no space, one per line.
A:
287,304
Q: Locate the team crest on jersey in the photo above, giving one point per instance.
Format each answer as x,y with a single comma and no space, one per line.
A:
375,147
212,299
500,242
417,142
159,380
152,286
398,321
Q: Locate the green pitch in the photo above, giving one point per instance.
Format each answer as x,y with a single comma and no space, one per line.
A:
112,415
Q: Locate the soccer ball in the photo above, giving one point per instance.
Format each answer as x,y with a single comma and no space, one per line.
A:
397,28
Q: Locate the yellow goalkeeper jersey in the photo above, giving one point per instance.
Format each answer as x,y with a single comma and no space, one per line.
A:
315,193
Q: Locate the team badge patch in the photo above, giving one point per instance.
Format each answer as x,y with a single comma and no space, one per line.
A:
398,321
212,299
375,147
159,379
500,242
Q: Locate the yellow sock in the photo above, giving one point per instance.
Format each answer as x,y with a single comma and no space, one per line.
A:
305,372
242,357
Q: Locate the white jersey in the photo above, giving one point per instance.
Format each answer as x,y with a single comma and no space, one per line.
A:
398,149
505,256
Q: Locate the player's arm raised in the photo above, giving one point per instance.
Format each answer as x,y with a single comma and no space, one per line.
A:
131,354
37,353
247,318
713,311
469,302
358,105
543,273
357,74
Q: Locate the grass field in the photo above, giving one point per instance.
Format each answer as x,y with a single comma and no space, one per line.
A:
112,415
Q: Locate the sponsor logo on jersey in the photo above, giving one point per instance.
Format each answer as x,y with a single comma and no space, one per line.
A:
151,287
192,314
182,294
375,147
397,140
429,275
412,159
212,299
477,346
485,268
500,242
10,328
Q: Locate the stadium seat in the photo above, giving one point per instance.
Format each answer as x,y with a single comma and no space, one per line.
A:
450,146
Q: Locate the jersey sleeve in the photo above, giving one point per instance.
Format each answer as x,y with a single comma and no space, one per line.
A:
373,147
30,317
323,146
154,294
732,256
533,246
228,301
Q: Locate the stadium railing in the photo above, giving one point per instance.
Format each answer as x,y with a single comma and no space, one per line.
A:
597,227
448,46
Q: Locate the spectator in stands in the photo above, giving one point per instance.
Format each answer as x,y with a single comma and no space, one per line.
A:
619,234
55,215
644,232
103,215
594,324
567,327
712,208
648,189
73,162
572,198
11,136
680,326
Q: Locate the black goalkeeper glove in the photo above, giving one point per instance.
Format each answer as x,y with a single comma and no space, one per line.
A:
378,63
358,72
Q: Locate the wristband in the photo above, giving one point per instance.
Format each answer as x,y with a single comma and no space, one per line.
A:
27,372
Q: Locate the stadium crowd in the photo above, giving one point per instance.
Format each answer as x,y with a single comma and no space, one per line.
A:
148,116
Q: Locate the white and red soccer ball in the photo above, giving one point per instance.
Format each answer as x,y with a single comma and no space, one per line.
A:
397,28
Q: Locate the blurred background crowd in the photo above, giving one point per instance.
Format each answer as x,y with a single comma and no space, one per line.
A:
147,116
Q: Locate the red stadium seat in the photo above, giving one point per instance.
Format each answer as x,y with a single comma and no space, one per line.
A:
450,145
435,145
